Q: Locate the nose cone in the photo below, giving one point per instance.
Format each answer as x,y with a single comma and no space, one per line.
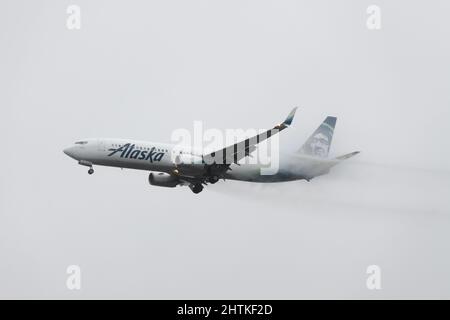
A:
70,152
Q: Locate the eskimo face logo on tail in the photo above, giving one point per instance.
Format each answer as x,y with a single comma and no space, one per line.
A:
128,151
320,144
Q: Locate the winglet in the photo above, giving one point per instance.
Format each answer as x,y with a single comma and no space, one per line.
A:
290,117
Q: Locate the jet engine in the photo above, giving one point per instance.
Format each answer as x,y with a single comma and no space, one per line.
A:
162,179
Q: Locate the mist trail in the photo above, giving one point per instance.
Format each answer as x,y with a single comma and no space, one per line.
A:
359,186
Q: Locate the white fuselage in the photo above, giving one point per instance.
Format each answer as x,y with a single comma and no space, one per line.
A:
150,156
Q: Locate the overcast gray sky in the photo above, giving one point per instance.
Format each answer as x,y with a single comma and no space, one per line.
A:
140,69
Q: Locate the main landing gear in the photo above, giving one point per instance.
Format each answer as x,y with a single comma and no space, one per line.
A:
91,170
196,188
213,179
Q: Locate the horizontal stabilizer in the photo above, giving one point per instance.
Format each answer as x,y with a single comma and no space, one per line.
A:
348,155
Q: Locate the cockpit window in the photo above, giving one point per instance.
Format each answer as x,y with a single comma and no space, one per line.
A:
81,142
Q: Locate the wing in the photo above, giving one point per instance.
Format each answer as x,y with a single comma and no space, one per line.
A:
240,150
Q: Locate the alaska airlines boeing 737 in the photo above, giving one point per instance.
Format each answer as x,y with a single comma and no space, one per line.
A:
171,166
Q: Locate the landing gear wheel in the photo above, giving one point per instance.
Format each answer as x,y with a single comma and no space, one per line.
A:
91,171
197,188
213,179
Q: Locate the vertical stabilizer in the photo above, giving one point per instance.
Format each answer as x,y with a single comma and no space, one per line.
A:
318,144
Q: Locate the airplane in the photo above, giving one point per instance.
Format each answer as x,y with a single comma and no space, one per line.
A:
170,165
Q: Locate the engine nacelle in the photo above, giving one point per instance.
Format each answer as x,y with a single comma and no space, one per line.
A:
162,179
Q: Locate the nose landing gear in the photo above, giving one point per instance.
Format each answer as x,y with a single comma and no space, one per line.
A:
87,164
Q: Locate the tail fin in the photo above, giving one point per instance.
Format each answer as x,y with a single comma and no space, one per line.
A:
318,144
